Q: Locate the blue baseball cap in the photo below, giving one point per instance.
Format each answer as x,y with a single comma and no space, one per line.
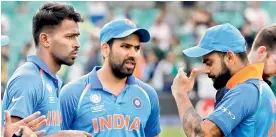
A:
4,40
122,28
223,38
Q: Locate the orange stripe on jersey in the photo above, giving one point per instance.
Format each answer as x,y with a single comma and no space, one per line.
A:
271,130
82,95
41,75
41,71
86,88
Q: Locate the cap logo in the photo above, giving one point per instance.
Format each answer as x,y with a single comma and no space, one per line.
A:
130,23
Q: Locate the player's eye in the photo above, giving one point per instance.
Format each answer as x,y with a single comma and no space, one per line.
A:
137,48
70,37
209,63
125,46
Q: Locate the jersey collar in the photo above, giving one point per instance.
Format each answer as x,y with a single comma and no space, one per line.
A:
252,71
36,60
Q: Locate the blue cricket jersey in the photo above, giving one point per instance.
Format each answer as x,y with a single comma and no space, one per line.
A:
246,107
33,88
87,106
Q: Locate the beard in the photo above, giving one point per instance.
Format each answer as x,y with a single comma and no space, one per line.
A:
223,77
118,68
63,61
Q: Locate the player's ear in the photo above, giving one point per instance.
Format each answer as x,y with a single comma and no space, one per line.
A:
262,52
230,58
105,49
44,40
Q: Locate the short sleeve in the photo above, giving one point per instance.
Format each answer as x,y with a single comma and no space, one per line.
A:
235,106
23,96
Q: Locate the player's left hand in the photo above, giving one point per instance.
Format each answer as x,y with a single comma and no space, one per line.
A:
30,121
182,84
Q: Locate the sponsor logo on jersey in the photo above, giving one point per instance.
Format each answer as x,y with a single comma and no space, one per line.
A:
225,110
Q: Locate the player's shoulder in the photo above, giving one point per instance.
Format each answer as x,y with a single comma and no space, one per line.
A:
241,91
250,85
145,86
149,90
74,87
27,74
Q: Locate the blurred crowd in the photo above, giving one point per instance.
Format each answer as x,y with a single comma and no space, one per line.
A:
173,26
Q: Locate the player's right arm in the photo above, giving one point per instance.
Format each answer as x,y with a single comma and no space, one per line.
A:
22,96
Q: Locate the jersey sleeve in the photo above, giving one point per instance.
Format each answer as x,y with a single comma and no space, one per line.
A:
69,101
235,106
23,95
153,124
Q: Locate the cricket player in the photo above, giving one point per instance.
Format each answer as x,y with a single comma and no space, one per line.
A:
29,124
35,86
109,101
264,51
245,104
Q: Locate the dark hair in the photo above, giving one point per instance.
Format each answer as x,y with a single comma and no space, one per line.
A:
241,55
110,42
266,37
50,15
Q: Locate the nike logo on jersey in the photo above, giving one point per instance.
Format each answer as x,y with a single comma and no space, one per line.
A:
16,99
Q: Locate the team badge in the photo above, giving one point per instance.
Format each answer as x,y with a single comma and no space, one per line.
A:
130,23
95,98
136,102
49,88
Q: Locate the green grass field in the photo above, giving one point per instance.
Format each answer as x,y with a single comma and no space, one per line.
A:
172,131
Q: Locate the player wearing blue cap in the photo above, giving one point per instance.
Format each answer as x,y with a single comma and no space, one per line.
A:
35,86
245,104
109,101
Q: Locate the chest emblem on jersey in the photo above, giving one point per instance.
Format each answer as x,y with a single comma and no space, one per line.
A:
97,106
95,98
136,102
50,90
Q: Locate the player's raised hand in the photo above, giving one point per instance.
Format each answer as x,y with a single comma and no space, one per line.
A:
30,121
182,84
